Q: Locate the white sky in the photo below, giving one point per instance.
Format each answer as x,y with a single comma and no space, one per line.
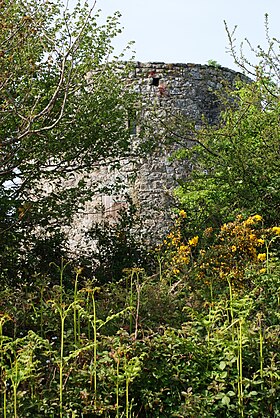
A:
190,30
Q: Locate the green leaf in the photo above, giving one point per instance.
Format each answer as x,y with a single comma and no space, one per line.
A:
225,400
222,365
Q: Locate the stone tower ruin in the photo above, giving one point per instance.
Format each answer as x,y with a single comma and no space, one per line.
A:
190,89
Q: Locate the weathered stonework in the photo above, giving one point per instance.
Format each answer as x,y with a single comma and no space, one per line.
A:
187,88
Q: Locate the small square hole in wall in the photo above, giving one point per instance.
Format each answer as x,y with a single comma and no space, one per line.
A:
155,81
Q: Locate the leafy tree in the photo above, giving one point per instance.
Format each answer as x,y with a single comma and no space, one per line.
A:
236,162
63,109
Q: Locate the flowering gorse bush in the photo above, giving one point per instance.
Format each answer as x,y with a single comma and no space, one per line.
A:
177,251
236,245
217,255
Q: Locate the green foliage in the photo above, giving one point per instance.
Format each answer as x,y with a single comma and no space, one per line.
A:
236,164
213,63
63,112
117,247
213,355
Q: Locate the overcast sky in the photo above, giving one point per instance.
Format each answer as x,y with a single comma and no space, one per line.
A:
190,30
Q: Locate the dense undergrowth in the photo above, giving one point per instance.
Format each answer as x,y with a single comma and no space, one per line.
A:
200,337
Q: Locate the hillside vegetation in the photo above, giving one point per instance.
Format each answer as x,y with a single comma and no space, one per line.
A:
191,329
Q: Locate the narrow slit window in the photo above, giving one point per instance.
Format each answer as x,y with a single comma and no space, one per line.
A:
132,123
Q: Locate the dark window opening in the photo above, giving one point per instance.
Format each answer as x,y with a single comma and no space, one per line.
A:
155,81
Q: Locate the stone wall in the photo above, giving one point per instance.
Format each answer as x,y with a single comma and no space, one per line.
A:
163,88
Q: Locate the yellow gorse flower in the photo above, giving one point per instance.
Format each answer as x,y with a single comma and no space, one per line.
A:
182,214
276,230
252,220
262,256
249,221
193,241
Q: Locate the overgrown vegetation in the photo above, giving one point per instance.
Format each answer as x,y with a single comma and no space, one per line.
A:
194,329
201,338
